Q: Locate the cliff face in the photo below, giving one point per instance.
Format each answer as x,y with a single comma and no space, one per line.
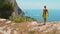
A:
17,11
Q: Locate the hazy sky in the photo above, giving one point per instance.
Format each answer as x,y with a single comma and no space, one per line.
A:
38,4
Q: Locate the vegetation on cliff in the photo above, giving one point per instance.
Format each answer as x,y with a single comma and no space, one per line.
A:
23,19
6,9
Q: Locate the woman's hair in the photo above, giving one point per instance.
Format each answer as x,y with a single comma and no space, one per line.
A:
45,6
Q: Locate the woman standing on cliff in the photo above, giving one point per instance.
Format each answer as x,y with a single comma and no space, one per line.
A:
45,14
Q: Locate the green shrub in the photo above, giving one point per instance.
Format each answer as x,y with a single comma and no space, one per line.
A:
6,9
22,19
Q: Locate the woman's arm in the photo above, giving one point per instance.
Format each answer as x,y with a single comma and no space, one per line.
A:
47,12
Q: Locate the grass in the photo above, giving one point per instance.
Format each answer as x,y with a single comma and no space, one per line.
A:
22,19
31,32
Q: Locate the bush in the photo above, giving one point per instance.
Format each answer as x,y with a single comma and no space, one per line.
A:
6,9
21,19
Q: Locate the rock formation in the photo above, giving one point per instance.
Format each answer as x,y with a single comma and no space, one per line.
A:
17,11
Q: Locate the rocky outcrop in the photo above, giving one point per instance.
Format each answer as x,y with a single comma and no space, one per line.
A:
17,11
9,27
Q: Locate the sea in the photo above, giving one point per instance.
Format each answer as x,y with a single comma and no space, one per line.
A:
54,14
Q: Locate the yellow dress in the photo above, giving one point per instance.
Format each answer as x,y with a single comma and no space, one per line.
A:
45,15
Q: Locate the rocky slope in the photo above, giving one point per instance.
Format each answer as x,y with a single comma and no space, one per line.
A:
9,27
17,11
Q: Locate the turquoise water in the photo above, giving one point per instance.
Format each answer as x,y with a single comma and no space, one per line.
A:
54,14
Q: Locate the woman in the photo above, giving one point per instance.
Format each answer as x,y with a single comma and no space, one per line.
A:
45,14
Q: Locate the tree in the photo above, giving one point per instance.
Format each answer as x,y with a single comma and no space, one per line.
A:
6,9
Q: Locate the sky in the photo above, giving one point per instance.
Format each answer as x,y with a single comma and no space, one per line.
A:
38,4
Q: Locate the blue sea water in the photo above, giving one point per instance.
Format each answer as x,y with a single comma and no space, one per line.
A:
54,14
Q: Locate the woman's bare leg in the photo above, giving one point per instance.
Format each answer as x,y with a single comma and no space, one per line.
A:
44,21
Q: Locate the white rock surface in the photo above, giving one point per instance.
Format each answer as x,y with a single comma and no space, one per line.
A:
8,26
8,22
15,32
34,23
2,19
12,23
